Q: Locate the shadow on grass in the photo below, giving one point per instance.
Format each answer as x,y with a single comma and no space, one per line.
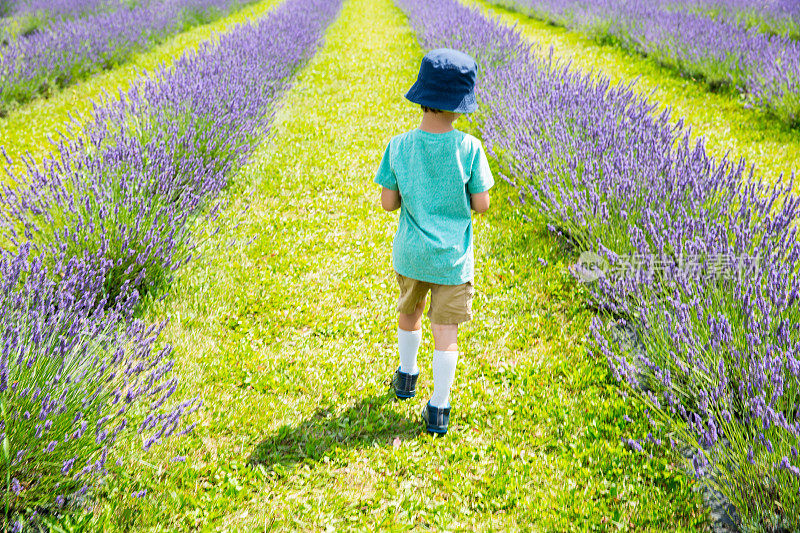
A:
367,422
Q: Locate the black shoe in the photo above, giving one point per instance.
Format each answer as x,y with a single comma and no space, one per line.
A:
436,419
405,385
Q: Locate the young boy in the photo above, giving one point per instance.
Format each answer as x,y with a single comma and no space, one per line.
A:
435,174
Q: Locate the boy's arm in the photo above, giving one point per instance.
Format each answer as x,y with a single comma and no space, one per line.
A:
480,180
480,201
390,193
390,200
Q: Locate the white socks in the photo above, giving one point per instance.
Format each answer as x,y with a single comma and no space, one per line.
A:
444,371
408,344
444,365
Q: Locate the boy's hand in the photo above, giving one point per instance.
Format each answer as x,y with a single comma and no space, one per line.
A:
480,201
390,200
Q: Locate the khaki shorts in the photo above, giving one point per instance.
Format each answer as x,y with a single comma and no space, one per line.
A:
450,304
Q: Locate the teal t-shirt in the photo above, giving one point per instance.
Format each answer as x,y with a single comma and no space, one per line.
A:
435,174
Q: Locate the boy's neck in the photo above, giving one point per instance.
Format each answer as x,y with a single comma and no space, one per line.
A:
438,122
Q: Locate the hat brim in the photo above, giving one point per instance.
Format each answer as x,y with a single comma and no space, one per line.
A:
456,103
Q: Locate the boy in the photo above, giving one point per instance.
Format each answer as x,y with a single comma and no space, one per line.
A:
436,174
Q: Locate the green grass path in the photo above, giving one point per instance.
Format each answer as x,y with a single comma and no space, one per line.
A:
27,129
719,117
291,340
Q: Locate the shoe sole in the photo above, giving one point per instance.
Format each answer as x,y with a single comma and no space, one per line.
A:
404,396
434,430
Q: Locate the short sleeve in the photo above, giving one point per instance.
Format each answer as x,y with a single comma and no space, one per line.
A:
385,175
480,178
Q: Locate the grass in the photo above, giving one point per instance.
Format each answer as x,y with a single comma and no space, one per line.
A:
291,340
720,118
29,128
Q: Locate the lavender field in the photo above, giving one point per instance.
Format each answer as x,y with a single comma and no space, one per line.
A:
73,48
25,17
197,301
708,41
778,17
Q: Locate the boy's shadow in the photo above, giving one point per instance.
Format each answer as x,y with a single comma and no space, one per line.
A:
367,422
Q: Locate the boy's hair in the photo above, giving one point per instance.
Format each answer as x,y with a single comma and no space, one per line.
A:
427,109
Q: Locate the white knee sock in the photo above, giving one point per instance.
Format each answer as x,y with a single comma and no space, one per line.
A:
444,371
408,345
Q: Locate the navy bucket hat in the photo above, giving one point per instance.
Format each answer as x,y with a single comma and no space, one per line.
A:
446,81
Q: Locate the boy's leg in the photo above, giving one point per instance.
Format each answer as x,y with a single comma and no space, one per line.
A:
445,357
451,305
410,306
409,337
412,321
445,337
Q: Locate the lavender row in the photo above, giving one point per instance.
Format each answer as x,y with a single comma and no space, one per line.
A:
96,227
72,49
778,17
720,366
57,7
765,68
26,17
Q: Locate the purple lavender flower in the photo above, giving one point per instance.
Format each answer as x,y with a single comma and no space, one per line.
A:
634,444
67,466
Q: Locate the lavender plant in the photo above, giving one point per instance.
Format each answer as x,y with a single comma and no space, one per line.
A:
96,225
74,377
765,68
723,380
712,300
